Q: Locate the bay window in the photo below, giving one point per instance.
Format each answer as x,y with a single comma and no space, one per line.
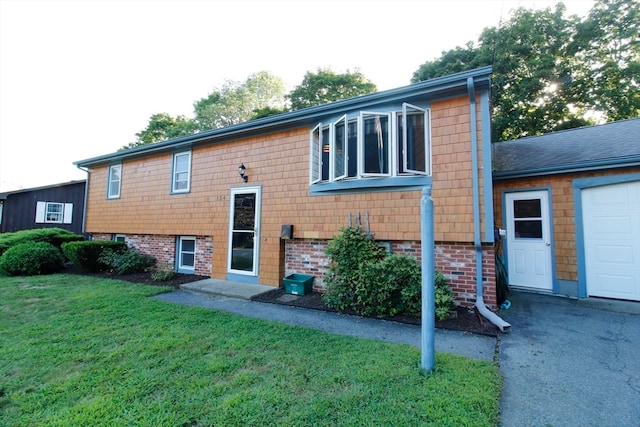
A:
371,144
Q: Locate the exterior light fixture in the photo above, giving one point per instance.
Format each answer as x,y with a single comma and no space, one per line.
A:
243,172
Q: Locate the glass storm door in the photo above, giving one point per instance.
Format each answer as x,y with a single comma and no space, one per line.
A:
244,231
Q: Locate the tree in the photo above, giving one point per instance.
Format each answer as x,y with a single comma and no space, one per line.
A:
606,49
236,102
161,127
542,78
325,86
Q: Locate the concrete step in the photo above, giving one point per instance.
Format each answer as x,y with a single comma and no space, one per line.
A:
227,288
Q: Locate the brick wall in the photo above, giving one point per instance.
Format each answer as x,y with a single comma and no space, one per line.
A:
163,249
456,261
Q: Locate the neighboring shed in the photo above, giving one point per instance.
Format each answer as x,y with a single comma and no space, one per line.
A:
59,205
570,203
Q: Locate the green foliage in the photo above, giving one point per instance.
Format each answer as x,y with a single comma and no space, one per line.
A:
160,275
236,102
349,253
128,261
362,278
85,255
83,351
381,286
606,53
325,86
31,258
55,236
444,300
161,127
259,113
551,72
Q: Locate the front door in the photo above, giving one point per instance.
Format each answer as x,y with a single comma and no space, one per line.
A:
244,231
529,240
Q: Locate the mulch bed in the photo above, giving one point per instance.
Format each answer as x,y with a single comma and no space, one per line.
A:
140,278
464,319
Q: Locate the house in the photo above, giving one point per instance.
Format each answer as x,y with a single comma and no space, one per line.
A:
59,205
570,204
257,201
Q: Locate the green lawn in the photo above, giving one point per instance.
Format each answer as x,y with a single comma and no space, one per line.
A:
79,351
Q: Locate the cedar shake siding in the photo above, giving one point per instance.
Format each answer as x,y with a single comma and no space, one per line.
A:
277,159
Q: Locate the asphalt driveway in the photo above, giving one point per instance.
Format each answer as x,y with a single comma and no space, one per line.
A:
570,362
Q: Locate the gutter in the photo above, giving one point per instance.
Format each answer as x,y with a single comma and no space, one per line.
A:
86,197
616,163
480,305
440,86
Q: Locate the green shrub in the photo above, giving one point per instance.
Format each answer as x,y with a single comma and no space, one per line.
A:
85,254
380,291
348,253
54,236
126,262
160,275
31,258
444,300
361,278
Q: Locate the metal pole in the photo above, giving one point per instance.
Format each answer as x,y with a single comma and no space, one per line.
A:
428,287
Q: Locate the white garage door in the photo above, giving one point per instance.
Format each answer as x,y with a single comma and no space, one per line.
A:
611,218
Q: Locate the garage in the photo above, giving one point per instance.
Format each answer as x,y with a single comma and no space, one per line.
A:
590,177
611,233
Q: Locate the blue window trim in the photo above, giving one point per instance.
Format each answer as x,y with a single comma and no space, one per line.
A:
367,185
173,176
580,184
555,285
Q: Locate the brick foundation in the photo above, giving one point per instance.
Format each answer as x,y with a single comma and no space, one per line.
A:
455,260
163,249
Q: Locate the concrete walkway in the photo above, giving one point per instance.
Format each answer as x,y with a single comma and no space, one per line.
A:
565,362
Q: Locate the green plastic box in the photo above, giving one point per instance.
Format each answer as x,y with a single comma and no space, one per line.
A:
298,284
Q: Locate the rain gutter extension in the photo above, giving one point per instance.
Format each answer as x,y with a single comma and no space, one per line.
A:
480,305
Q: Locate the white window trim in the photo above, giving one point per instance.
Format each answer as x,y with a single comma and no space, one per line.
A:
427,139
396,141
42,208
335,175
110,181
315,161
174,173
361,151
119,238
181,267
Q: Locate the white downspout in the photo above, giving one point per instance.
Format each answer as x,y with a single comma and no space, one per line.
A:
480,305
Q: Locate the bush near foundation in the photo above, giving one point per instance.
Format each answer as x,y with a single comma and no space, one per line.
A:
31,258
54,236
85,255
349,253
128,261
363,278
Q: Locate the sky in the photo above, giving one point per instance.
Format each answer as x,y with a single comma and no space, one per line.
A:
79,78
